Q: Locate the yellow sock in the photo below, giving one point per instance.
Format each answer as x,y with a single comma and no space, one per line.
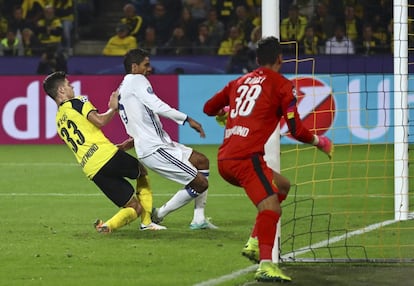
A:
145,198
121,218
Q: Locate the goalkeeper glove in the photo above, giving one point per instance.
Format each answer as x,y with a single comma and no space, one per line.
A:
325,145
221,117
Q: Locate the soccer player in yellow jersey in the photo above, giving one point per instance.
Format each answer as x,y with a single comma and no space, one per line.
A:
79,125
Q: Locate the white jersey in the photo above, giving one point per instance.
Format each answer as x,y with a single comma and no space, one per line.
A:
343,47
139,109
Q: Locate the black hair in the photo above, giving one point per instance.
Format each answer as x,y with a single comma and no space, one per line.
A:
134,56
52,82
268,50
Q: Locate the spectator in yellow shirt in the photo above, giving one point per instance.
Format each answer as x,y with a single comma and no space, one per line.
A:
133,21
293,27
65,10
310,44
227,45
49,30
121,43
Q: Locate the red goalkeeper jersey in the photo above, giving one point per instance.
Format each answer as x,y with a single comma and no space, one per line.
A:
257,102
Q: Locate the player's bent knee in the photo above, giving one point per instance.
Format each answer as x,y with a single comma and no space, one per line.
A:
282,183
199,160
270,203
204,161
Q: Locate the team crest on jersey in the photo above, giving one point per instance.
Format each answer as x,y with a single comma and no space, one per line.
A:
294,92
149,90
83,98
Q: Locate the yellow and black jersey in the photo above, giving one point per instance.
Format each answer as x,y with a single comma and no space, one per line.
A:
64,9
49,31
91,147
134,25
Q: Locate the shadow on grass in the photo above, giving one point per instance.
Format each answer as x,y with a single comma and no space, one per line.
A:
346,275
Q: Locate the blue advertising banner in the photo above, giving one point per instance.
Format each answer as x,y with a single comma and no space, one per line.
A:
351,109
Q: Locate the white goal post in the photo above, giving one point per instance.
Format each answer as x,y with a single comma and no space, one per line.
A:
400,109
270,27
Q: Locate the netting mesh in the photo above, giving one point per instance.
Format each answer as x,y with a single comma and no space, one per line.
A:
343,209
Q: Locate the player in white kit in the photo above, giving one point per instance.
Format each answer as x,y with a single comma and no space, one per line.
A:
139,109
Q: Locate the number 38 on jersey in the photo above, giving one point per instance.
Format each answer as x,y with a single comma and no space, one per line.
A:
246,100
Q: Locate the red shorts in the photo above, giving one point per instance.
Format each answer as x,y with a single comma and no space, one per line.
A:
252,174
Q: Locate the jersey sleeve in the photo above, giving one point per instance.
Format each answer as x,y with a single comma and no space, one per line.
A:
291,115
82,105
218,101
153,102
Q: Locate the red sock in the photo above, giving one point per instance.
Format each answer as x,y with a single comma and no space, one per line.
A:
266,222
254,231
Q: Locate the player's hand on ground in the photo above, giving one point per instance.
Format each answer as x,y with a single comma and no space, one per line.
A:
325,145
196,126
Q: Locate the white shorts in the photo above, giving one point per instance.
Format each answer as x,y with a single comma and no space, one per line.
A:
172,162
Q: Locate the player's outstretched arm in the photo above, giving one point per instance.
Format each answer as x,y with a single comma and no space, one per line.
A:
324,144
196,126
101,119
113,100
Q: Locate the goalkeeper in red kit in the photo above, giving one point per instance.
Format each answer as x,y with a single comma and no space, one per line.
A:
252,106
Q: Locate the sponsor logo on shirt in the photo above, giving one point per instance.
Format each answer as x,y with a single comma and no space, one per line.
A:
237,130
89,154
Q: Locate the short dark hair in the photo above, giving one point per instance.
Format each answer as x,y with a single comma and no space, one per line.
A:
52,82
134,56
268,50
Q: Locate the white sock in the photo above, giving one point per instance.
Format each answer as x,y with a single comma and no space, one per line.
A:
181,198
200,203
199,206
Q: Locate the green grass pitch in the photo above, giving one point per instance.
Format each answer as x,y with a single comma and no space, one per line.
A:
47,208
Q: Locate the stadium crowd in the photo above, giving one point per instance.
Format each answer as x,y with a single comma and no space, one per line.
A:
46,28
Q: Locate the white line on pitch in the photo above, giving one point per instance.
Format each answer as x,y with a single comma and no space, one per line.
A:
210,194
43,164
97,194
339,238
233,275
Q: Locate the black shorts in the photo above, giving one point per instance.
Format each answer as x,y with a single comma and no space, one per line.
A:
111,177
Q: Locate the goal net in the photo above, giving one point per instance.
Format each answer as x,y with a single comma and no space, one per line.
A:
359,205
